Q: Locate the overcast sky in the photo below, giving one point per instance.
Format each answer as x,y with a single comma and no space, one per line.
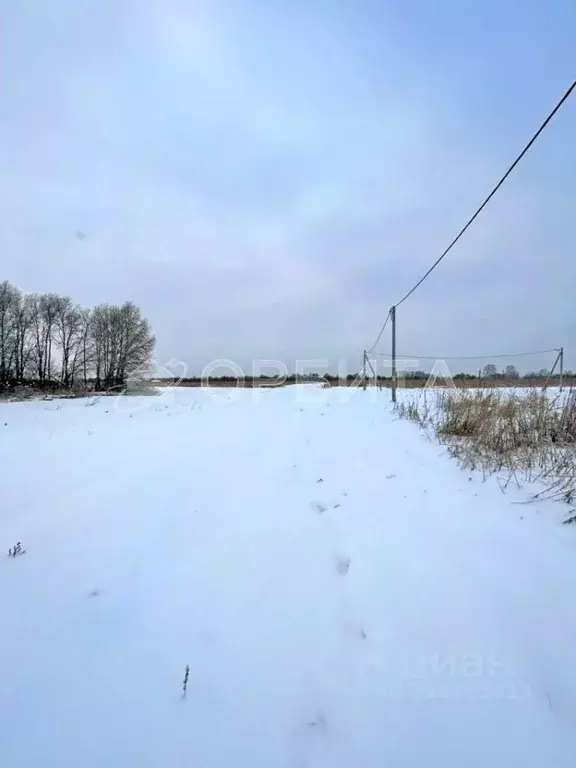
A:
265,178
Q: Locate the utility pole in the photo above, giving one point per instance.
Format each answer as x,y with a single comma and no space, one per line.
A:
393,318
559,359
365,372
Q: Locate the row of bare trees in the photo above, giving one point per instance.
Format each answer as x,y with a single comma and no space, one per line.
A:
47,340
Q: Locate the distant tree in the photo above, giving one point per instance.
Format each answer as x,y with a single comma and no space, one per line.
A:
413,375
489,371
510,372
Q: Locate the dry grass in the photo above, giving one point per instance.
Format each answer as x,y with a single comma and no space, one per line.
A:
529,435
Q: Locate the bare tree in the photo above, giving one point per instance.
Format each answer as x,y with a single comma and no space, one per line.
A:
137,343
100,337
123,343
83,360
43,310
510,372
23,340
8,305
489,371
48,309
68,324
37,357
40,331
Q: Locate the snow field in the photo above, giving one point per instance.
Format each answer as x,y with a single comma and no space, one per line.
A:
342,593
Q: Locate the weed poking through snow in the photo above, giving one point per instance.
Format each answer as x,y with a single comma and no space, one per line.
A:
319,721
185,682
16,550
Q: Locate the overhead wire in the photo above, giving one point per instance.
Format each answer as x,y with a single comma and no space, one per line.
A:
492,193
468,357
530,143
368,351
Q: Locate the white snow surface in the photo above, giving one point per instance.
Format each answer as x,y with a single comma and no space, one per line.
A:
343,594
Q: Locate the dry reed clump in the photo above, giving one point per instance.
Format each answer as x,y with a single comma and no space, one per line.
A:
531,435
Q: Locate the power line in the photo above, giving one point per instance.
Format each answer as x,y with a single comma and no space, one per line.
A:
491,195
380,334
469,357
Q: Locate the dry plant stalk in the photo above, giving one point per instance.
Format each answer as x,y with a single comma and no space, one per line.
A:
530,435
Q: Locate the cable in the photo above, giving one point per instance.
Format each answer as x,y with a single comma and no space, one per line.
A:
380,334
469,357
491,195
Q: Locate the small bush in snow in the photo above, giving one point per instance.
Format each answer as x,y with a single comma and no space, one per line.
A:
16,550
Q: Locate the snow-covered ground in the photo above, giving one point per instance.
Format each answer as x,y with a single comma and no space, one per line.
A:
342,593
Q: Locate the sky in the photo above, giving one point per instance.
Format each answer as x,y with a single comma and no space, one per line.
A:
266,179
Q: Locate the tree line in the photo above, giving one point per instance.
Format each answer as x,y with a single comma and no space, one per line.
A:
49,341
491,373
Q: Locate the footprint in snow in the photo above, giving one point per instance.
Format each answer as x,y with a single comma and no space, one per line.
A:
318,721
309,733
318,507
343,565
354,631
